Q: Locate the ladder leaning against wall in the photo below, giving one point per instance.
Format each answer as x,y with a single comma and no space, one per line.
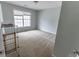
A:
10,38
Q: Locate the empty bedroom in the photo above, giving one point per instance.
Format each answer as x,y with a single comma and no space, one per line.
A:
28,28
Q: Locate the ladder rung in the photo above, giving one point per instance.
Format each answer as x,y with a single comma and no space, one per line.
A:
11,38
10,43
10,51
8,34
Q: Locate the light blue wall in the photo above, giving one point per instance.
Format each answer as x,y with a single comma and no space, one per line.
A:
68,29
48,19
0,27
1,38
1,41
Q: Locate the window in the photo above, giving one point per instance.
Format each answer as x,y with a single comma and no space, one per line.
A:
18,21
27,20
22,19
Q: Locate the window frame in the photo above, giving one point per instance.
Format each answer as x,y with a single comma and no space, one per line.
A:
23,20
26,19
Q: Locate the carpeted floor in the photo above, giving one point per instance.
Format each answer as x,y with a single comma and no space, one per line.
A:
35,43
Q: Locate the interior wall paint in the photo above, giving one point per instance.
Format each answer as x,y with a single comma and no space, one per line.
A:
8,15
0,27
1,38
67,38
48,19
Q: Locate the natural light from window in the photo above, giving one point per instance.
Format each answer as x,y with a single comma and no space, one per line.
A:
22,19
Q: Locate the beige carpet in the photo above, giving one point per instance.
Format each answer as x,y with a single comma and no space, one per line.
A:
35,43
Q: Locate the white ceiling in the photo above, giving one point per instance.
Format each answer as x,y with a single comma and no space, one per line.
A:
39,6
